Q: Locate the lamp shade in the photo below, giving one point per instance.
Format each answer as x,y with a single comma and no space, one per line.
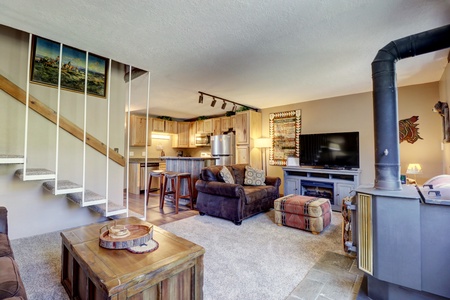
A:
263,143
414,169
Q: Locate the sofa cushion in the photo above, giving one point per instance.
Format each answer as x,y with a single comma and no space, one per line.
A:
239,173
10,283
210,173
5,246
254,176
226,175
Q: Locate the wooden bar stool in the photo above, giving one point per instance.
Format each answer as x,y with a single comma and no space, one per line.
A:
156,174
175,178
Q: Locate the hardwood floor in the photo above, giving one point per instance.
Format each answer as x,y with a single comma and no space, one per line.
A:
158,216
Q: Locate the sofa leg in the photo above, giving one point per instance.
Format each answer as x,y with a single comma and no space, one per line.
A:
237,223
201,213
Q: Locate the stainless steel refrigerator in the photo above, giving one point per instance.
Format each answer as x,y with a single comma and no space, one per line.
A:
223,147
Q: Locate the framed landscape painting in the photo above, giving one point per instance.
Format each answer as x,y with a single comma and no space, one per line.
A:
45,67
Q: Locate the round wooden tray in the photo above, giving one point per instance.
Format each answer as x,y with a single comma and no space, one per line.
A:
139,234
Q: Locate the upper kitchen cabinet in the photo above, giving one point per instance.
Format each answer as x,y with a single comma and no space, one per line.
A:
207,126
226,123
216,124
138,131
200,126
164,126
182,139
171,127
247,126
157,125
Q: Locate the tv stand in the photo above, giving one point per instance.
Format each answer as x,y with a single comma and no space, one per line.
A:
334,184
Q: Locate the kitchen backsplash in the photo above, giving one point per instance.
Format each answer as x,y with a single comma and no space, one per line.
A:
166,145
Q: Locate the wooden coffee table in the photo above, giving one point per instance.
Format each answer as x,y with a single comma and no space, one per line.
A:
173,271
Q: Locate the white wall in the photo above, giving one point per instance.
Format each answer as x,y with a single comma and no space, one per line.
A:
31,209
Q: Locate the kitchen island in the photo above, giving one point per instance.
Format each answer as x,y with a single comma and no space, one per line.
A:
192,165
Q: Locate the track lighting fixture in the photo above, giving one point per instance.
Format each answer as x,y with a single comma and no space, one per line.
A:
213,103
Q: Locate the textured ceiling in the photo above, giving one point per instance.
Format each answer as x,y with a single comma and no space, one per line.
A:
262,53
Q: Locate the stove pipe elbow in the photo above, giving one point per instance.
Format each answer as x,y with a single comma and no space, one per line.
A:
385,103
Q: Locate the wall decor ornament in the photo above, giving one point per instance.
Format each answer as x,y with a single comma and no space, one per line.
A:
45,67
408,130
284,130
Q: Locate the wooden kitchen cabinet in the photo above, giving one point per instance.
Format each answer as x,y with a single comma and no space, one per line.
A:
157,125
200,126
226,124
208,126
247,127
181,140
138,131
217,129
171,127
192,132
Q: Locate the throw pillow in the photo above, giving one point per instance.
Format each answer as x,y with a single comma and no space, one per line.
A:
254,176
226,175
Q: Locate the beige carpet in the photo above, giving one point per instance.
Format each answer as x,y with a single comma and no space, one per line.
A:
257,260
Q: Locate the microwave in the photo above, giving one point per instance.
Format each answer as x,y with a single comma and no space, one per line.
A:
202,139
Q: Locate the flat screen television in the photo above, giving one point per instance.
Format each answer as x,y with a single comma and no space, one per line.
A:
339,150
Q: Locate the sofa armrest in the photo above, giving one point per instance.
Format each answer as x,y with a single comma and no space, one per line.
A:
220,188
275,181
3,220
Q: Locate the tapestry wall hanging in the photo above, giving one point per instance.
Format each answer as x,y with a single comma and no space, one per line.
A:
284,129
408,130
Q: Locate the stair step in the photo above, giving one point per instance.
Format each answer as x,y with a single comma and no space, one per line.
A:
90,198
35,174
114,209
64,187
11,159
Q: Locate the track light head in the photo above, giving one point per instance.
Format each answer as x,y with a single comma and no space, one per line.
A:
234,108
224,105
213,103
200,98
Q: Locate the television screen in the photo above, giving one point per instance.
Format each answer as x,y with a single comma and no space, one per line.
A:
330,150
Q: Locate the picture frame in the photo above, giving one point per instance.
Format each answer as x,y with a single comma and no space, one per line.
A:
284,130
45,67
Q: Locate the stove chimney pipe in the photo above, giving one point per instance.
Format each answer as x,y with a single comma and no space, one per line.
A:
385,107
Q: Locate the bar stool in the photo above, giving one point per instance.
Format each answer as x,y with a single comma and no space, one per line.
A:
175,179
156,174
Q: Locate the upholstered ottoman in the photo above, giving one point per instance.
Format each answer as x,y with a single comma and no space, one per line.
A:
303,212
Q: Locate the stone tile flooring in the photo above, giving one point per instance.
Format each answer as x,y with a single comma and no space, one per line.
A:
334,276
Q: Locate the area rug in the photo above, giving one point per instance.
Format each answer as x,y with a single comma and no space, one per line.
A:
257,260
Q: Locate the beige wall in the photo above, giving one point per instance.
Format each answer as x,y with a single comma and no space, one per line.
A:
355,113
28,201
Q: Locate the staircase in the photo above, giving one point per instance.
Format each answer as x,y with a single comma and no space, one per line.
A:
51,183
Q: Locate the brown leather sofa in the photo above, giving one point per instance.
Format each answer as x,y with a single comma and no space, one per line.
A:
234,202
11,285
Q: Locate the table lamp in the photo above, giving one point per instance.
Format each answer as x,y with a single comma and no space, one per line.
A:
414,169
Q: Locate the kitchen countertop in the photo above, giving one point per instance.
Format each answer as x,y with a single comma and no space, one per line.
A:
142,160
